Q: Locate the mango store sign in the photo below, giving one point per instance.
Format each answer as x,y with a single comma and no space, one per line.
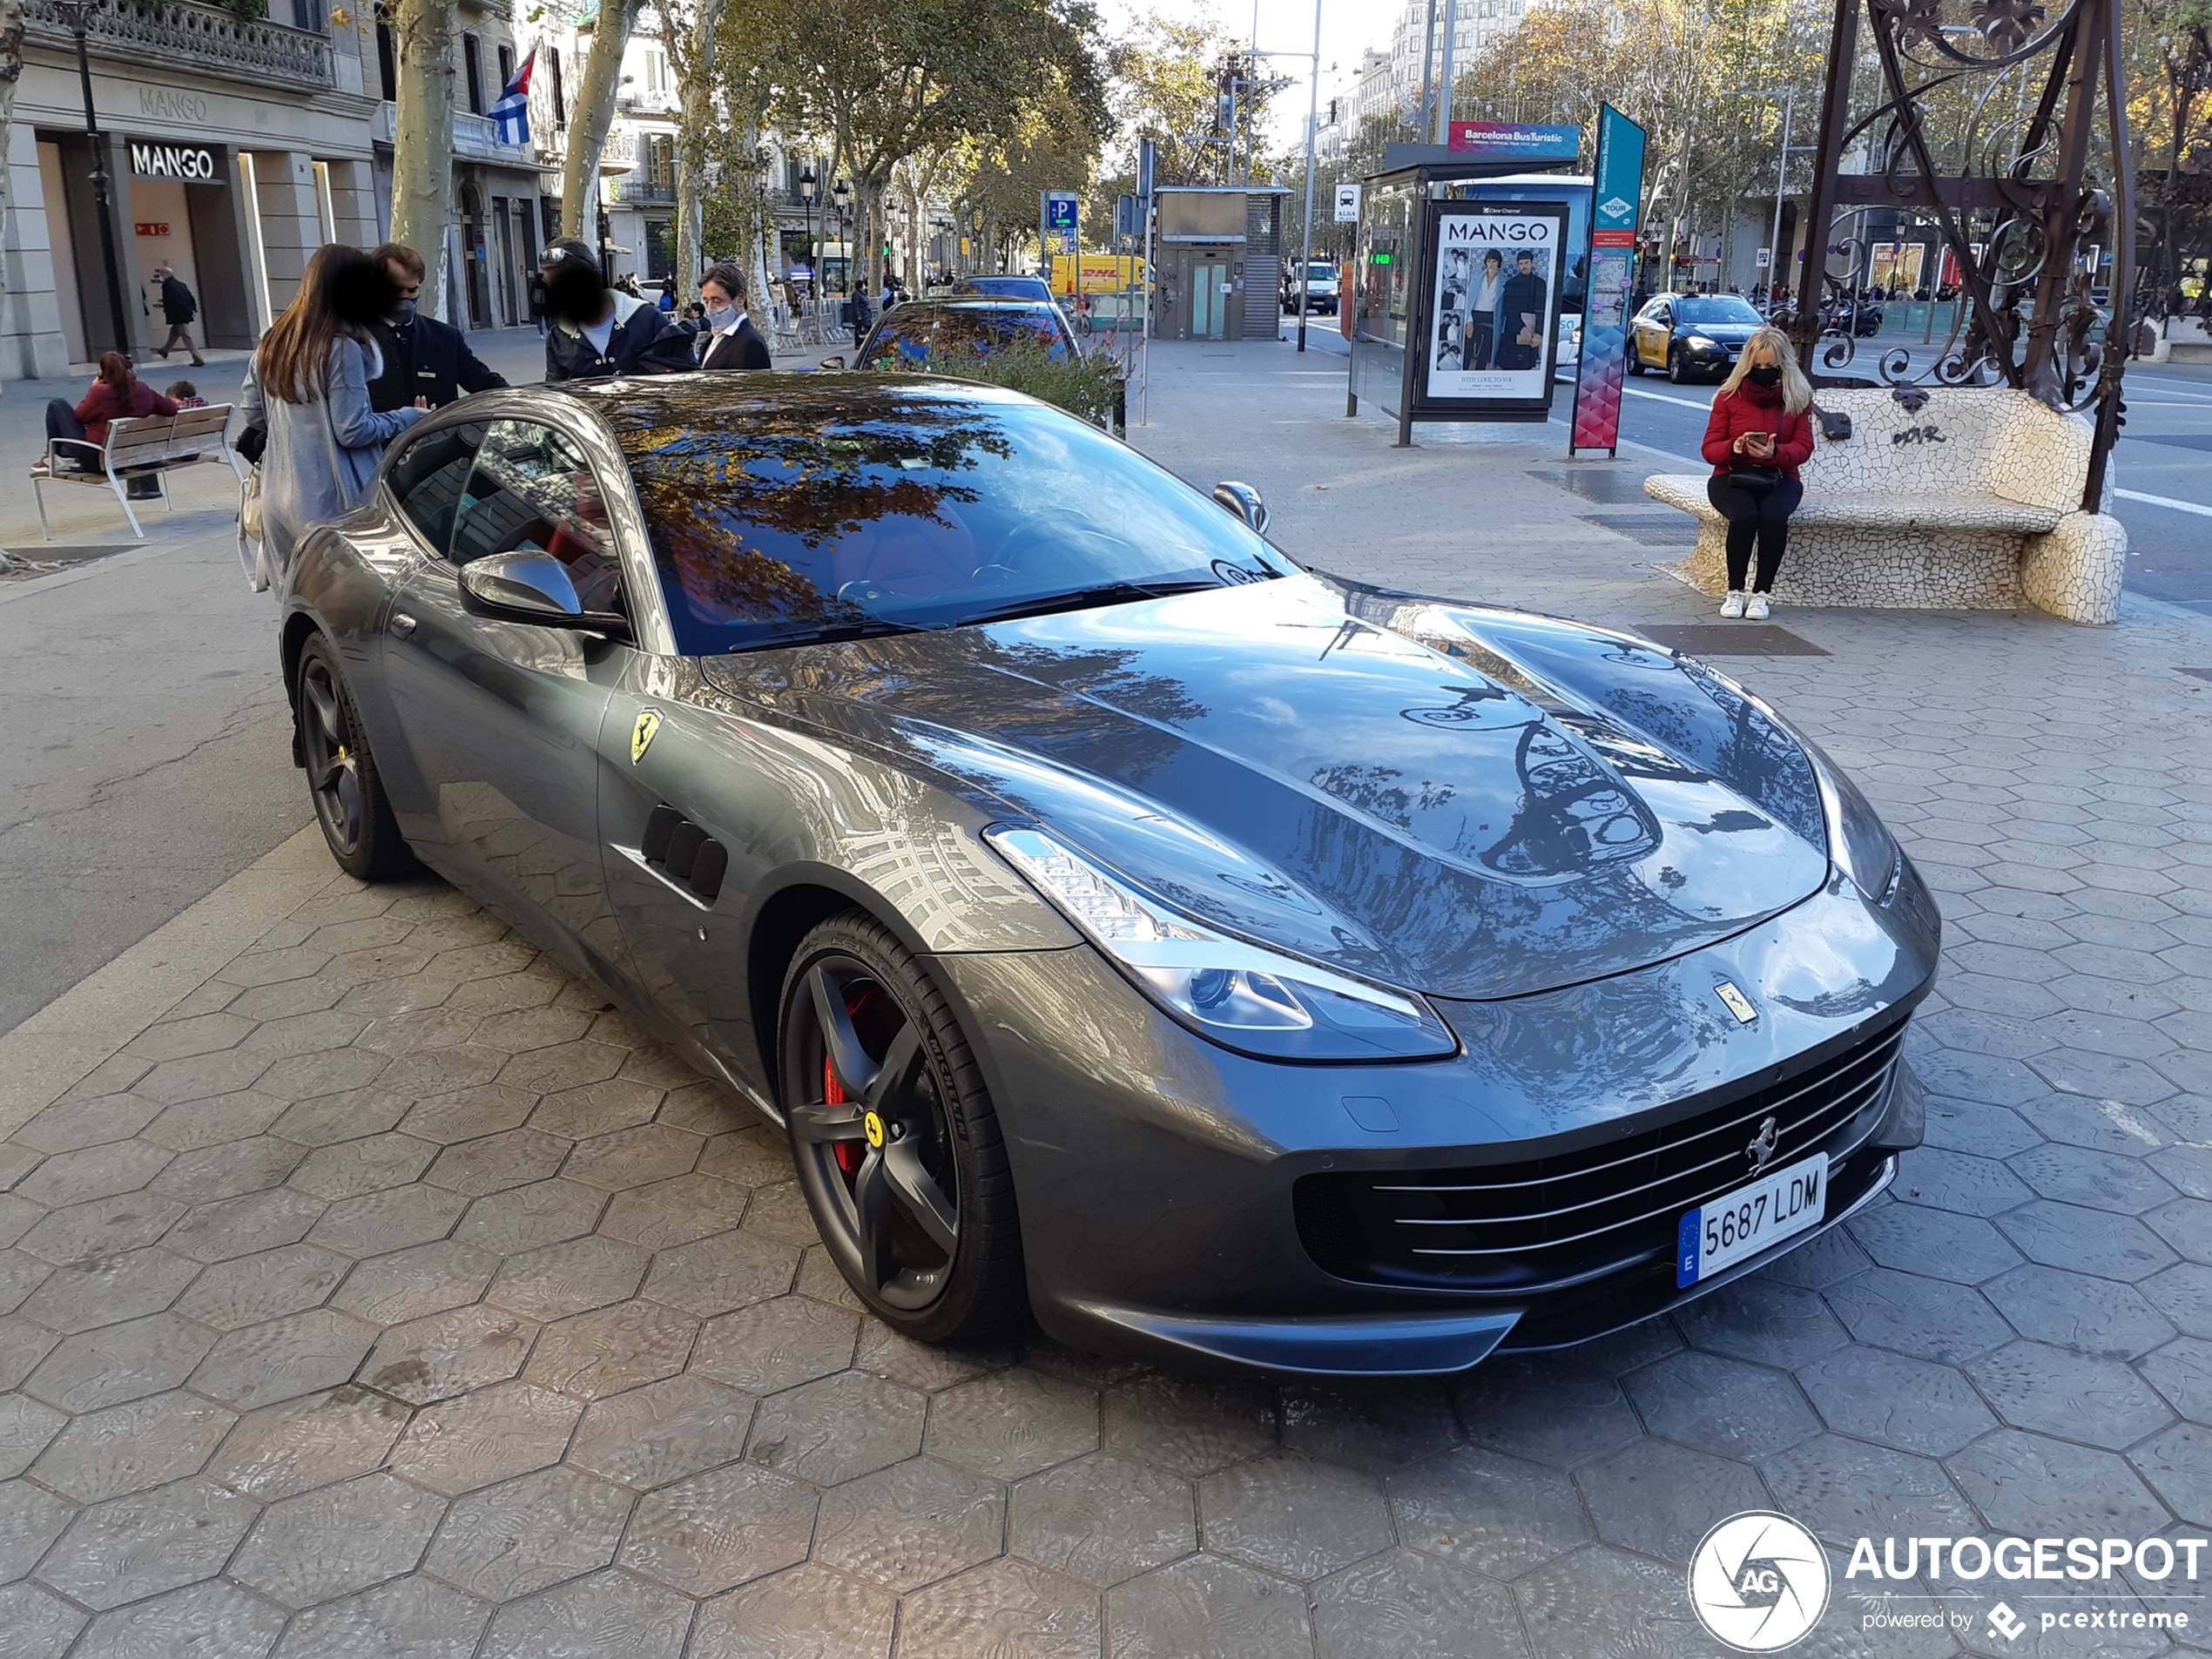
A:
192,164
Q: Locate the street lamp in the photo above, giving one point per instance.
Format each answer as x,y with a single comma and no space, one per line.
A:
807,183
76,18
841,193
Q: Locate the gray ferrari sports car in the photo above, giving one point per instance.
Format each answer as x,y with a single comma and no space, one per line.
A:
1221,959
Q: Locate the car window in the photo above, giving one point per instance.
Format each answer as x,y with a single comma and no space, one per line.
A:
1719,308
533,487
426,479
906,504
910,334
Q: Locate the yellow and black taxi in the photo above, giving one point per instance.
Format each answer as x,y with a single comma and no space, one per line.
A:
1690,334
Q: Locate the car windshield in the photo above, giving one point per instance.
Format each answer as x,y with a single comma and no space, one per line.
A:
912,332
1319,271
1715,307
1011,287
864,503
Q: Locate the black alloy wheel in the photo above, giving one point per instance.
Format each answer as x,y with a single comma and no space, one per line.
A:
342,780
897,1146
1678,368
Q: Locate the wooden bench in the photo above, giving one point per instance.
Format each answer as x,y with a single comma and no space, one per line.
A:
147,444
1970,502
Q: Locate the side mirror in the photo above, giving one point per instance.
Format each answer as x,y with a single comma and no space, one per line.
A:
833,362
530,585
1243,502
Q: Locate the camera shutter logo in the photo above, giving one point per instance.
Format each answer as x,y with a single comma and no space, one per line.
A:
1758,1582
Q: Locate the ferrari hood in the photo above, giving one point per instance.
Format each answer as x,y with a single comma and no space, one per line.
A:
1433,796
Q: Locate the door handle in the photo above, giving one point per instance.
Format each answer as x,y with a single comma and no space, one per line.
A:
403,624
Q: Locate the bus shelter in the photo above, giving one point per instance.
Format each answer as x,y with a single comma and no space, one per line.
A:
1464,268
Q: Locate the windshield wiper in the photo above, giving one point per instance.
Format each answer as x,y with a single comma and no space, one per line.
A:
1110,593
828,633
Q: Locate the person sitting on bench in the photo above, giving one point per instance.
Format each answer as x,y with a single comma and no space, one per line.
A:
117,394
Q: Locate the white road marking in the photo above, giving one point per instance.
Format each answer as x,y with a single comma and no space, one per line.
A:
1661,397
2164,501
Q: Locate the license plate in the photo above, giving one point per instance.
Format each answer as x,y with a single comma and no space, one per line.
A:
1778,1204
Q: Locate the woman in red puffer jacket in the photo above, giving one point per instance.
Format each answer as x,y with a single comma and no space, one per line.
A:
116,395
1761,433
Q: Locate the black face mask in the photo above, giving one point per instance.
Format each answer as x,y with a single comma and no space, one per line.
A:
575,292
1768,374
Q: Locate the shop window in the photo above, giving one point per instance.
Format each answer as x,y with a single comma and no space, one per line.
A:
472,64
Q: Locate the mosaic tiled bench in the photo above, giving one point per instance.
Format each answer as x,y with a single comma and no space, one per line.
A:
1970,502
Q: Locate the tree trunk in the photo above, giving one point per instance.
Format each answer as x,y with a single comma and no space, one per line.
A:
764,223
423,152
11,72
593,114
690,50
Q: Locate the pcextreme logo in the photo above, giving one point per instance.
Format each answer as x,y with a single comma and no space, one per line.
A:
1758,1582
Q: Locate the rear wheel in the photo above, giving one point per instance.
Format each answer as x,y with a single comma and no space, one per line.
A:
342,780
897,1146
1636,356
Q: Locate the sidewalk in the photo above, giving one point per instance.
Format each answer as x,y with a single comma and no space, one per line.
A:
374,1288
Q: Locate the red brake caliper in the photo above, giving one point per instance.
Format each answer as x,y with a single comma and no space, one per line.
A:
848,1152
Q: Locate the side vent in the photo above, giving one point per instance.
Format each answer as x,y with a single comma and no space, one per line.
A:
685,854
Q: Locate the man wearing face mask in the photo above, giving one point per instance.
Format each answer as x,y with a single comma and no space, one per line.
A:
423,357
599,329
729,340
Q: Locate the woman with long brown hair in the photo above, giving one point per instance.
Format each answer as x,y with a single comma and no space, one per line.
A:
308,384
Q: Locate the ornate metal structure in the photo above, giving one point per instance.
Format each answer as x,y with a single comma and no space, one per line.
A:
2005,128
203,38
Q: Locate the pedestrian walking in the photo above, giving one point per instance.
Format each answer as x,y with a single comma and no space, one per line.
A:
601,329
307,387
857,310
728,339
117,394
423,358
179,309
1760,434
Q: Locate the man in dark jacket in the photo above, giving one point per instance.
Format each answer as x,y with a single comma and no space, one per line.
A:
178,310
1520,316
728,339
599,329
422,357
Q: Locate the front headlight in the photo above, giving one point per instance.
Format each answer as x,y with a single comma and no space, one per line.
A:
1698,342
1242,996
1859,842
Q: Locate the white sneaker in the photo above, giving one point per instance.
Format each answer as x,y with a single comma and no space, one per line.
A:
1758,609
1733,605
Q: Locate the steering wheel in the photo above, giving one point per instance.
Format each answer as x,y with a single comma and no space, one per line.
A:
1062,535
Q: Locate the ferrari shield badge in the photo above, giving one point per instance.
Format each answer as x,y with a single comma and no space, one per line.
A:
641,735
1735,1002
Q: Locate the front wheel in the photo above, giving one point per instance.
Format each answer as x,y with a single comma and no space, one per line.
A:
1678,367
897,1146
342,779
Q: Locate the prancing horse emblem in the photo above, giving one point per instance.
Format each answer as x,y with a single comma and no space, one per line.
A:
1761,1147
641,735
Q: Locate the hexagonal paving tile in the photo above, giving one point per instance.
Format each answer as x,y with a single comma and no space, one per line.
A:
514,1158
209,1617
806,1613
2177,1462
494,1434
229,1168
1721,1405
337,1540
527,1217
911,1524
30,1518
719,1273
1012,1423
634,1157
2030,1486
301,1353
1191,1426
1204,1607
26,1427
103,1227
595,1109
586,1618
1102,1519
375,1224
1915,1239
1660,1499
1546,1408
240,1226
38,1623
1290,1514
416,1283
1603,1600
1845,1490
2086,1241
107,1290
349,1169
449,1354
673,1212
776,1344
250,1289
530,1534
721,1529
130,1547
119,1362
1402,1602
1002,1606
1377,1427
282,1450
1762,1319
1927,1318
831,1431
417,1616
572,1278
662,1432
1909,1404
76,1123
2036,1386
1500,1515
133,1448
469,1113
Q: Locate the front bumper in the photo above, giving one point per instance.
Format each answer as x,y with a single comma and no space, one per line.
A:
1158,1177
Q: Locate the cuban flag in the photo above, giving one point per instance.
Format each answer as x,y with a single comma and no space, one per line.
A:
512,111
